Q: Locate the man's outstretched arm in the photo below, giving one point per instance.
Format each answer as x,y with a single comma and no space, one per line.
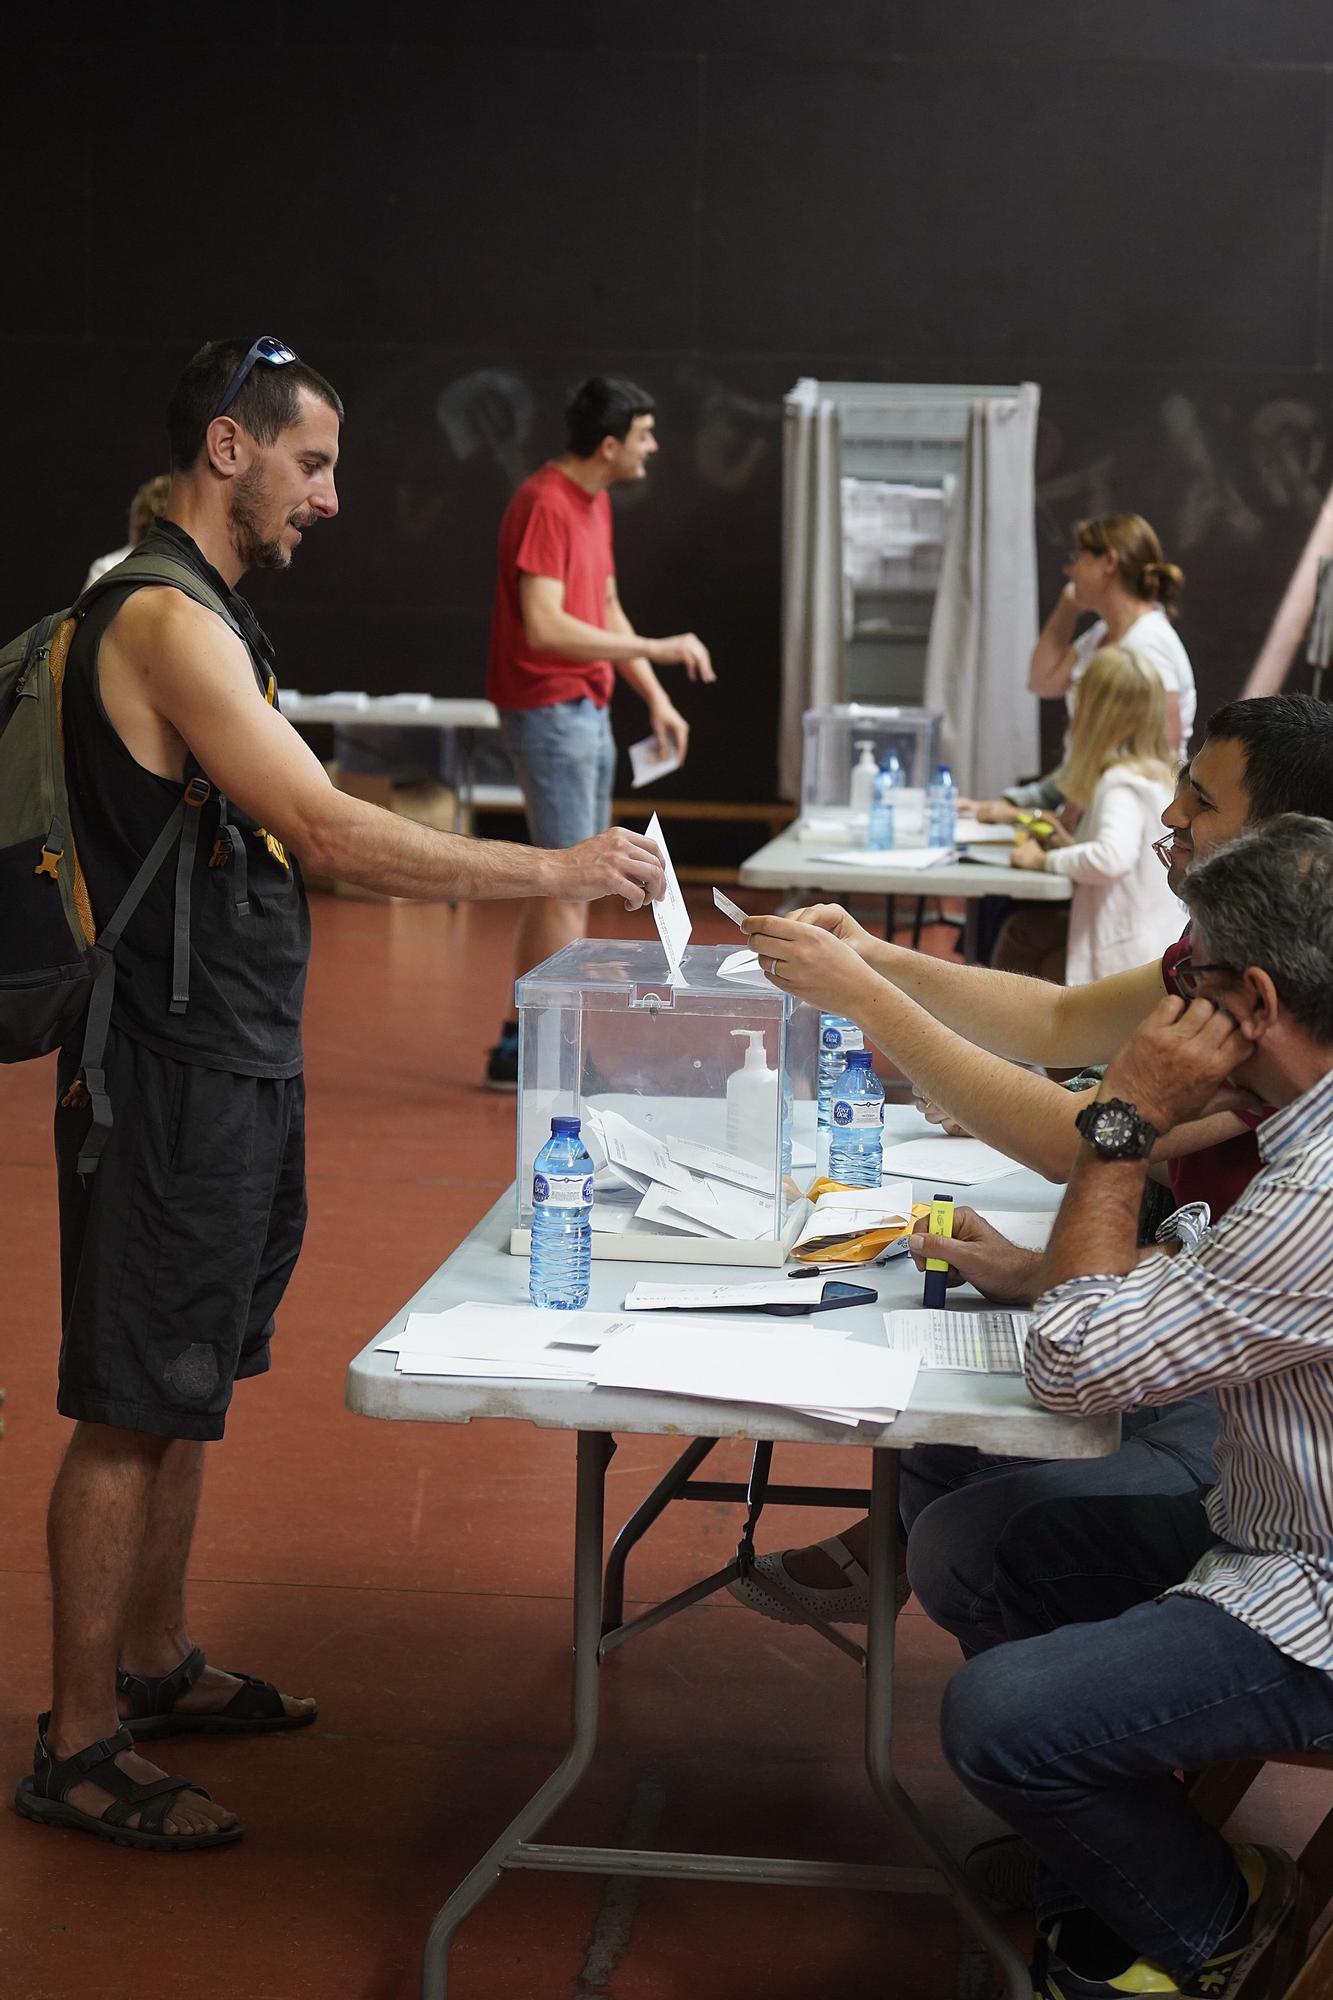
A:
176,662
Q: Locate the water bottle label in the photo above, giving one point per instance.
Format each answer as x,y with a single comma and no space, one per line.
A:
843,1038
561,1190
860,1113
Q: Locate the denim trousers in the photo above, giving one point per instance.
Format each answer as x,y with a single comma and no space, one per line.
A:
1073,1732
957,1503
564,757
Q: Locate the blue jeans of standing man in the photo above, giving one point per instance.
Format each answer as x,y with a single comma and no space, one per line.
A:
956,1504
564,756
1074,1736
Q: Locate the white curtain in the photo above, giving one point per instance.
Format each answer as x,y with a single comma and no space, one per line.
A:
984,623
814,671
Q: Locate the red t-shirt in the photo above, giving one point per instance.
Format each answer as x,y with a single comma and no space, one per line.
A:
1220,1174
551,527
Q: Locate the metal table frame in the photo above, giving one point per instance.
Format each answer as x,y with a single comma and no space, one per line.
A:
957,1410
600,1627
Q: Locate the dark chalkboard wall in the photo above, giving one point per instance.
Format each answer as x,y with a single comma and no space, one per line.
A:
457,212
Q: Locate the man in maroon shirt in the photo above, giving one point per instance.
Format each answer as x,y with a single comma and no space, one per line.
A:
559,637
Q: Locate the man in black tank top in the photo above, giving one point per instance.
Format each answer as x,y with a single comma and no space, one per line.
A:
175,1254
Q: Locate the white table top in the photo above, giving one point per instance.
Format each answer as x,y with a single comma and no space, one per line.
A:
995,1413
442,712
791,863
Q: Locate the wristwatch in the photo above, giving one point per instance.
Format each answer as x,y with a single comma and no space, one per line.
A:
1115,1131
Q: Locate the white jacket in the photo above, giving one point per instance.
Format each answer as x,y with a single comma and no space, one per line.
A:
1122,913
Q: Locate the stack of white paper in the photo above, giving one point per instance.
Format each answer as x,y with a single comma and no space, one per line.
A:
814,1368
915,858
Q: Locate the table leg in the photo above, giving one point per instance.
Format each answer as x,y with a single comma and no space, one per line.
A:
594,1454
971,928
638,1524
879,1725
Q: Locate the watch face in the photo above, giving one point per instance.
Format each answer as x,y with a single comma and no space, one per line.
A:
1116,1127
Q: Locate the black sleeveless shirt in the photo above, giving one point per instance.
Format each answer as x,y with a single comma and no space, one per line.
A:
247,972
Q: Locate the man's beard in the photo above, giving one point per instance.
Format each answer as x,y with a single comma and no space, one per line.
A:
244,513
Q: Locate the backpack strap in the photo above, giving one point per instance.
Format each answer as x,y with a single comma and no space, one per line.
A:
183,825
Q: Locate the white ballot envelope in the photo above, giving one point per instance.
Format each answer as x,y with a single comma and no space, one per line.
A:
646,766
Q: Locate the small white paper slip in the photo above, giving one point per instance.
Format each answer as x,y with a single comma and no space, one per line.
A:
670,914
720,1165
414,703
982,1343
730,909
914,858
657,1207
1030,1228
956,1162
636,1153
765,1292
645,764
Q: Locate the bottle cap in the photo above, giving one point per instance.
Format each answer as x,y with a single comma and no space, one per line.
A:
859,1058
567,1125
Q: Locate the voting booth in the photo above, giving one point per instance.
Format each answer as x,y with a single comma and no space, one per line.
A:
696,1096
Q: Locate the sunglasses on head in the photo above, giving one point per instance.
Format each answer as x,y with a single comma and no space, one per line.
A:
267,348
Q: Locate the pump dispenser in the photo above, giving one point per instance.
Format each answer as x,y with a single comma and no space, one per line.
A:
752,1102
863,779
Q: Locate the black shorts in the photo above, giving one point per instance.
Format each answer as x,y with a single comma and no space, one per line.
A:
175,1253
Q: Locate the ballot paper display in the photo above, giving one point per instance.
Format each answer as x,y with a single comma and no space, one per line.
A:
642,1055
974,1343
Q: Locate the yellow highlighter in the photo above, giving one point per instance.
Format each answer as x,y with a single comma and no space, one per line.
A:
936,1283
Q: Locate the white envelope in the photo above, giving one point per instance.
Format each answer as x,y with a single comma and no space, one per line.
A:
717,1164
635,1153
647,766
670,914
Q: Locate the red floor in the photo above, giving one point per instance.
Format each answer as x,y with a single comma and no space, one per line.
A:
416,1578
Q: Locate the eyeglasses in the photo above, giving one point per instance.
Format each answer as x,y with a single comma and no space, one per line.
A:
1188,976
1162,849
267,348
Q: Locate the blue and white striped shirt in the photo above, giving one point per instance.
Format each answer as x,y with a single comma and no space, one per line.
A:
1248,1313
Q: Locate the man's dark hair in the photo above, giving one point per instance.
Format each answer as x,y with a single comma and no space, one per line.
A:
1288,745
1266,899
603,406
268,403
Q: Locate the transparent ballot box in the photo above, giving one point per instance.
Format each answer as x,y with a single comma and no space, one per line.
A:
832,748
697,1101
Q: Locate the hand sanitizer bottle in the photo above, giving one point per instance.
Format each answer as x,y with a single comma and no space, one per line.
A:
752,1102
864,772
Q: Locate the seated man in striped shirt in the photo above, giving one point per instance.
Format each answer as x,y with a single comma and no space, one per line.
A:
1151,1635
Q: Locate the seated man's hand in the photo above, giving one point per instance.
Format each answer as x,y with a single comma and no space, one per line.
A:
978,1255
833,918
1172,1067
934,1116
810,962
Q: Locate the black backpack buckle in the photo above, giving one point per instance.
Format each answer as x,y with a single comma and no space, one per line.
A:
197,791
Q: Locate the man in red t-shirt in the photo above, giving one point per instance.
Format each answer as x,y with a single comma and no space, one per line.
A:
559,637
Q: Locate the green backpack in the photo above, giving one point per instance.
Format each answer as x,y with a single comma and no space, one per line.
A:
55,967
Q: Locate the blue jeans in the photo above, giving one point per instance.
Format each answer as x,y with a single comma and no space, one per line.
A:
1074,1736
957,1503
565,759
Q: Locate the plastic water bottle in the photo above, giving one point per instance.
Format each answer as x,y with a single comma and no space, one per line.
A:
561,1265
941,808
856,1149
888,779
837,1035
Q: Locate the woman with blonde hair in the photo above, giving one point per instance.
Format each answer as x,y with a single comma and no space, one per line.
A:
1117,779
